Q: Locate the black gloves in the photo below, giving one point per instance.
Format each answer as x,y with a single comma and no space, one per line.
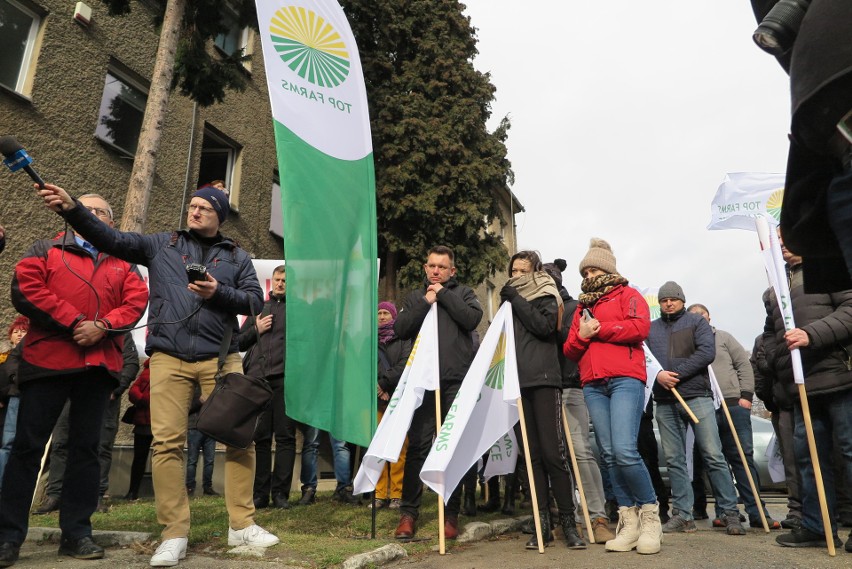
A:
508,292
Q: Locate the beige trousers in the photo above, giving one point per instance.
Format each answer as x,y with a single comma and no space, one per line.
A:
172,386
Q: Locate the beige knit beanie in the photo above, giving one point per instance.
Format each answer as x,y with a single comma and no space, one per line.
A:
599,256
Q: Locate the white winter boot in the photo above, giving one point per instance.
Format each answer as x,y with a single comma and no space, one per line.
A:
627,530
651,530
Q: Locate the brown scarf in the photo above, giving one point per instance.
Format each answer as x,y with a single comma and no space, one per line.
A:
535,285
595,287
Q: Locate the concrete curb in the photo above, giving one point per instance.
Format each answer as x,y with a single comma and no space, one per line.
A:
473,531
104,538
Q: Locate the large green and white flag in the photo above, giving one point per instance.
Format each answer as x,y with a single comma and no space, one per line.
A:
484,410
325,161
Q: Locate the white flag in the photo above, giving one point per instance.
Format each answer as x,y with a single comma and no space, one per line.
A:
775,464
652,368
718,399
744,195
503,456
484,409
421,374
776,272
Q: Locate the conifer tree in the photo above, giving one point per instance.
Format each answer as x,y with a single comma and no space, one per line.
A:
438,169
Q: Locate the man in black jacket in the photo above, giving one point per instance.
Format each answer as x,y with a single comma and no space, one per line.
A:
823,334
271,326
459,313
684,345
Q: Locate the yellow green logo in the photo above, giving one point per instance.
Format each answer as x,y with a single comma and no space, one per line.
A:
310,46
653,304
773,204
496,371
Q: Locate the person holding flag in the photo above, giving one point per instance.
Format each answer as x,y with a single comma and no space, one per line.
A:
823,333
459,314
537,311
610,324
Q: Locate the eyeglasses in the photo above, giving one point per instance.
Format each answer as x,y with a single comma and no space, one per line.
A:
99,211
203,209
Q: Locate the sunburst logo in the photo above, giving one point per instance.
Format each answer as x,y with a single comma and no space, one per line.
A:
773,204
654,305
310,46
496,371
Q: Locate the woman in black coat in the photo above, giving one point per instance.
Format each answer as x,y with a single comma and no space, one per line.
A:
537,314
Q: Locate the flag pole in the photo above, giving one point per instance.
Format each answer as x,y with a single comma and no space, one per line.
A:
579,479
754,489
536,518
684,405
442,537
823,505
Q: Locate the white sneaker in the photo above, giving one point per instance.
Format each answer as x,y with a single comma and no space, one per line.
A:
253,535
169,553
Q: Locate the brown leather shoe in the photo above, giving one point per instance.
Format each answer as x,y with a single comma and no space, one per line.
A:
405,529
451,527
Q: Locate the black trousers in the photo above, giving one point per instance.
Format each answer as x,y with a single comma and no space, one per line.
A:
647,444
420,436
141,448
548,448
42,401
274,423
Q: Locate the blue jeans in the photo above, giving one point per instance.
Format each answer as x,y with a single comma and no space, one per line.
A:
310,449
830,415
672,421
8,433
340,453
741,417
198,442
615,407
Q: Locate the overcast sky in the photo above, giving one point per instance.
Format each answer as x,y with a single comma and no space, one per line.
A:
625,118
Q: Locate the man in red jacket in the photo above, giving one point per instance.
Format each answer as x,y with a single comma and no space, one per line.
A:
79,302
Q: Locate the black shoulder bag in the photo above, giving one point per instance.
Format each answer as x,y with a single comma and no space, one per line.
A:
230,413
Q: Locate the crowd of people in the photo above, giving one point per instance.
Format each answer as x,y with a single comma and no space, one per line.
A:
581,362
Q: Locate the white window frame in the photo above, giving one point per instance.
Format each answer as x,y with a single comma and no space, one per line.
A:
29,51
233,151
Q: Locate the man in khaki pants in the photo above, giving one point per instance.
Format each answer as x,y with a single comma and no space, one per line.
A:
188,319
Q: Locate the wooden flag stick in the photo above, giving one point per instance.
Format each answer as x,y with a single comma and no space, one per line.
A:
754,489
573,454
442,536
823,505
41,469
685,406
536,518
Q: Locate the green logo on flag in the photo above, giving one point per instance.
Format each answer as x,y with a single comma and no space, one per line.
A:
773,204
310,46
494,377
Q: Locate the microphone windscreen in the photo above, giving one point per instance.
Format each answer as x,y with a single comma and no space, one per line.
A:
9,145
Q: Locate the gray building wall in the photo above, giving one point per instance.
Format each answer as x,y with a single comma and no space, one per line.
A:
56,124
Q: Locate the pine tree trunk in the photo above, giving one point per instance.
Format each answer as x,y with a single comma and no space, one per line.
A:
145,162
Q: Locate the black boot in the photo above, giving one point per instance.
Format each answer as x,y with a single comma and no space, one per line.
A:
509,497
493,503
569,531
546,533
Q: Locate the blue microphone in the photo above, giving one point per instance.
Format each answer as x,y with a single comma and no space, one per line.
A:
17,158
